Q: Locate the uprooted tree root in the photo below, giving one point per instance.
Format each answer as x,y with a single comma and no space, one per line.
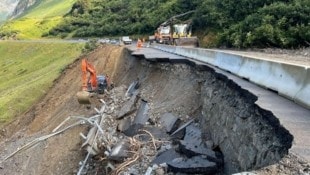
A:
136,152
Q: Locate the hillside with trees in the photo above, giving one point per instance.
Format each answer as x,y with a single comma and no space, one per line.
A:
218,23
248,23
230,23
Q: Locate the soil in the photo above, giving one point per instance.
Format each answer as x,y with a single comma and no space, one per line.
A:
61,154
57,155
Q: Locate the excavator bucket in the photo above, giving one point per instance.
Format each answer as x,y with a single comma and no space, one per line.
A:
83,97
187,41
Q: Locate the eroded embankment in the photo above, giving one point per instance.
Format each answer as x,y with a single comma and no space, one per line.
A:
248,136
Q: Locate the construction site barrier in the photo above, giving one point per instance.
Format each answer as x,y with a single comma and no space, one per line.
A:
289,80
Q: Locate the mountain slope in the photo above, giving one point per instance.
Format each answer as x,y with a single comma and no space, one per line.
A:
6,8
22,6
37,19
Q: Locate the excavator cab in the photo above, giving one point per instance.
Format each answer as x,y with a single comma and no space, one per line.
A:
91,85
102,84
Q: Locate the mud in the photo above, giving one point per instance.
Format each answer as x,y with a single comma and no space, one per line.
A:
168,88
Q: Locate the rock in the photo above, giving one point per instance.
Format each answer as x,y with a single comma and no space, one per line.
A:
194,165
142,115
164,148
132,88
166,156
182,127
193,148
192,145
157,133
128,107
159,171
120,151
210,144
133,130
193,133
302,161
169,122
124,124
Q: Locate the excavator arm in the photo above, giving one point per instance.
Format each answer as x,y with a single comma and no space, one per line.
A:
88,84
93,83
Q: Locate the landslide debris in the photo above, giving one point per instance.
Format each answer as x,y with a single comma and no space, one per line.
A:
143,128
144,147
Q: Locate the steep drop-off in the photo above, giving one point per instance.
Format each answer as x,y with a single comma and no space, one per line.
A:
248,136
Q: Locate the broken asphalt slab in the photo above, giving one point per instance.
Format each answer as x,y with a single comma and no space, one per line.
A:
194,165
142,115
128,107
133,130
191,149
166,156
132,88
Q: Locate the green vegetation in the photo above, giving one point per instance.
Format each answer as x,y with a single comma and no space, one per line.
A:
229,23
115,18
90,46
37,20
257,23
232,23
27,70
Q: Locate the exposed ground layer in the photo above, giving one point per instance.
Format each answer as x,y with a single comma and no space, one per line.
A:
248,136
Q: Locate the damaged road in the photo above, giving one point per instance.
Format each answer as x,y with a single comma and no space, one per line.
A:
161,118
130,133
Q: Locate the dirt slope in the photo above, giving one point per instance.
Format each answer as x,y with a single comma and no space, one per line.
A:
175,88
60,154
165,92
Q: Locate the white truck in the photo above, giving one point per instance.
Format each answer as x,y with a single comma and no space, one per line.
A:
126,40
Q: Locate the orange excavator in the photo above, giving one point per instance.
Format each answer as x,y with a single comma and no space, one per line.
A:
92,84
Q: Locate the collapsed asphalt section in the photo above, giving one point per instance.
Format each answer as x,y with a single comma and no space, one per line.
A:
240,118
131,137
192,95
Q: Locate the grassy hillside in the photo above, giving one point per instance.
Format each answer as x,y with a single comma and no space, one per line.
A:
38,19
27,70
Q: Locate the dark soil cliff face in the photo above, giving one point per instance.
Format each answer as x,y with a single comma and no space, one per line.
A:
248,136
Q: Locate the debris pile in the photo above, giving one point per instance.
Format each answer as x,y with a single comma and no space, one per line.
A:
128,141
123,138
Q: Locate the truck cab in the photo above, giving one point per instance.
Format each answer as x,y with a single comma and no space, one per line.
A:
126,40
